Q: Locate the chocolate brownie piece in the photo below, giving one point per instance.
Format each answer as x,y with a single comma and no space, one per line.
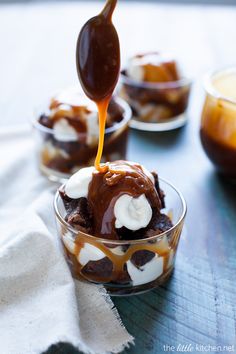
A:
159,223
163,223
160,192
98,270
140,258
78,213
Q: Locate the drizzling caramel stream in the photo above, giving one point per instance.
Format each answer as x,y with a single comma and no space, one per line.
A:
98,65
102,112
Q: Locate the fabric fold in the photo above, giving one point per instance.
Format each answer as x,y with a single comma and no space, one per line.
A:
40,303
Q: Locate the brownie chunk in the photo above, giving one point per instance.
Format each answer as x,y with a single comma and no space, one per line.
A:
163,223
140,258
98,270
78,213
160,192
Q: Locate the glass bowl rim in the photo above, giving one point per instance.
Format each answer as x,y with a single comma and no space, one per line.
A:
184,81
125,242
127,115
208,85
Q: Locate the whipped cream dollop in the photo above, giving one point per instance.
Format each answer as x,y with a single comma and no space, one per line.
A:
133,213
135,71
90,253
72,103
146,273
63,131
78,184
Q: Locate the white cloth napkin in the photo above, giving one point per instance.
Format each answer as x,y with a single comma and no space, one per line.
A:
40,304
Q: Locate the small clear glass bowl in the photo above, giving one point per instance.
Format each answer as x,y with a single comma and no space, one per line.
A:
58,160
119,265
156,106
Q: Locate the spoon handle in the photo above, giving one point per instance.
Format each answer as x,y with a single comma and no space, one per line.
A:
109,9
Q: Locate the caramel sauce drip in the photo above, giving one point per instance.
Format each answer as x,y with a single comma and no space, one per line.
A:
102,116
98,65
159,247
119,261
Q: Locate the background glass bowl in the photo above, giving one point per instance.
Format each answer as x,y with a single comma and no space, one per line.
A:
218,126
108,262
156,106
58,160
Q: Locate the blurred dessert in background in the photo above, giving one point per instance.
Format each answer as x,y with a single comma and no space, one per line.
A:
218,124
69,132
122,202
152,67
154,87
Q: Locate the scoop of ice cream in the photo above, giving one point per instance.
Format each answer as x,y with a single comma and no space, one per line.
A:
122,199
152,67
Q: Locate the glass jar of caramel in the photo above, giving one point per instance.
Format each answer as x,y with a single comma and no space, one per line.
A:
218,123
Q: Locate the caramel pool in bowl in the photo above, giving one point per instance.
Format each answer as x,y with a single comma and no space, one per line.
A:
218,123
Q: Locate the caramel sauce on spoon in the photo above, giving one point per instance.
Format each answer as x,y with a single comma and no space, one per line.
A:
98,65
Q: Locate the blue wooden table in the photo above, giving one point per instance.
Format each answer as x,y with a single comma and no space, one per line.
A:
197,306
196,309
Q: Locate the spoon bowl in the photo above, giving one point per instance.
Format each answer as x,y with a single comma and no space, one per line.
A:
98,55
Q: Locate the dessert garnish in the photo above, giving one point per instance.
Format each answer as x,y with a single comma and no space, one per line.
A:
98,64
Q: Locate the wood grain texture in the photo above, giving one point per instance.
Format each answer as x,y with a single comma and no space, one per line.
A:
198,304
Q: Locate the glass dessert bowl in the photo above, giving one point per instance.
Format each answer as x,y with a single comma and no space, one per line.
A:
156,91
218,123
67,133
118,229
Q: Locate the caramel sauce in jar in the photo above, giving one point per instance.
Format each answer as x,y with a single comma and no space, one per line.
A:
218,124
